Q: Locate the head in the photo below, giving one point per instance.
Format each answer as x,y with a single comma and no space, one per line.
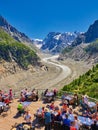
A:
95,122
26,89
10,89
72,123
46,110
52,103
27,112
75,117
43,108
66,116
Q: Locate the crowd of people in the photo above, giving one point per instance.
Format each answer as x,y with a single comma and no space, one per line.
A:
52,114
64,115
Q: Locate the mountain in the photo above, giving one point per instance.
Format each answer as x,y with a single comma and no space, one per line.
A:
92,33
17,52
84,47
89,36
85,84
82,52
55,41
12,31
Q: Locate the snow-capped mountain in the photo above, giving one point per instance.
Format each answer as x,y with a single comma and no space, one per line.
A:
37,42
55,42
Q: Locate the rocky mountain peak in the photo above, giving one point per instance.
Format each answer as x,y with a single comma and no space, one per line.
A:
92,32
13,31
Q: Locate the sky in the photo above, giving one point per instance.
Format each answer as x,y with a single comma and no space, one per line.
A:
36,18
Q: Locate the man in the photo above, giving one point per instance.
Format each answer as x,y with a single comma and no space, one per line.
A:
27,117
66,123
20,108
94,126
47,117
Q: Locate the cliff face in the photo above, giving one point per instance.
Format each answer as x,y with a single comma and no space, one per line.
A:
92,33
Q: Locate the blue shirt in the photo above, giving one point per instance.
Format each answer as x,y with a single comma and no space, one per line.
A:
47,117
67,122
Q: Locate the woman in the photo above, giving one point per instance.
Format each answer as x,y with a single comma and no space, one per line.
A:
72,127
77,123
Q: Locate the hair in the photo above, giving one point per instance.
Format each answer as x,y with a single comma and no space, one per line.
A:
75,117
66,116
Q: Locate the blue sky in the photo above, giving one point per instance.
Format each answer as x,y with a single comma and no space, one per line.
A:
37,18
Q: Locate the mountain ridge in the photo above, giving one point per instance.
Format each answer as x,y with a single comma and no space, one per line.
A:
12,31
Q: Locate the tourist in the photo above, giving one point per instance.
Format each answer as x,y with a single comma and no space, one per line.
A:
85,99
22,97
47,117
45,92
77,123
94,126
20,108
66,122
27,117
65,107
10,94
72,127
55,92
52,106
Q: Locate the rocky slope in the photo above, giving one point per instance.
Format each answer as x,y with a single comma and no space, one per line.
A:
15,56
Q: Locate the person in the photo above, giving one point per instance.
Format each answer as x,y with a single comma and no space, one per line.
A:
72,127
22,97
45,92
76,99
87,113
66,122
27,117
20,108
55,92
40,112
85,99
94,126
52,105
10,94
77,123
47,117
65,107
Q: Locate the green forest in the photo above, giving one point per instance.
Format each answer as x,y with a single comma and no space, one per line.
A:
85,84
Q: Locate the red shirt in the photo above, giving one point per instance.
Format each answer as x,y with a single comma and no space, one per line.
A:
72,128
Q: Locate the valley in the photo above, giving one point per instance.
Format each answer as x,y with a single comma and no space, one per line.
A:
56,76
